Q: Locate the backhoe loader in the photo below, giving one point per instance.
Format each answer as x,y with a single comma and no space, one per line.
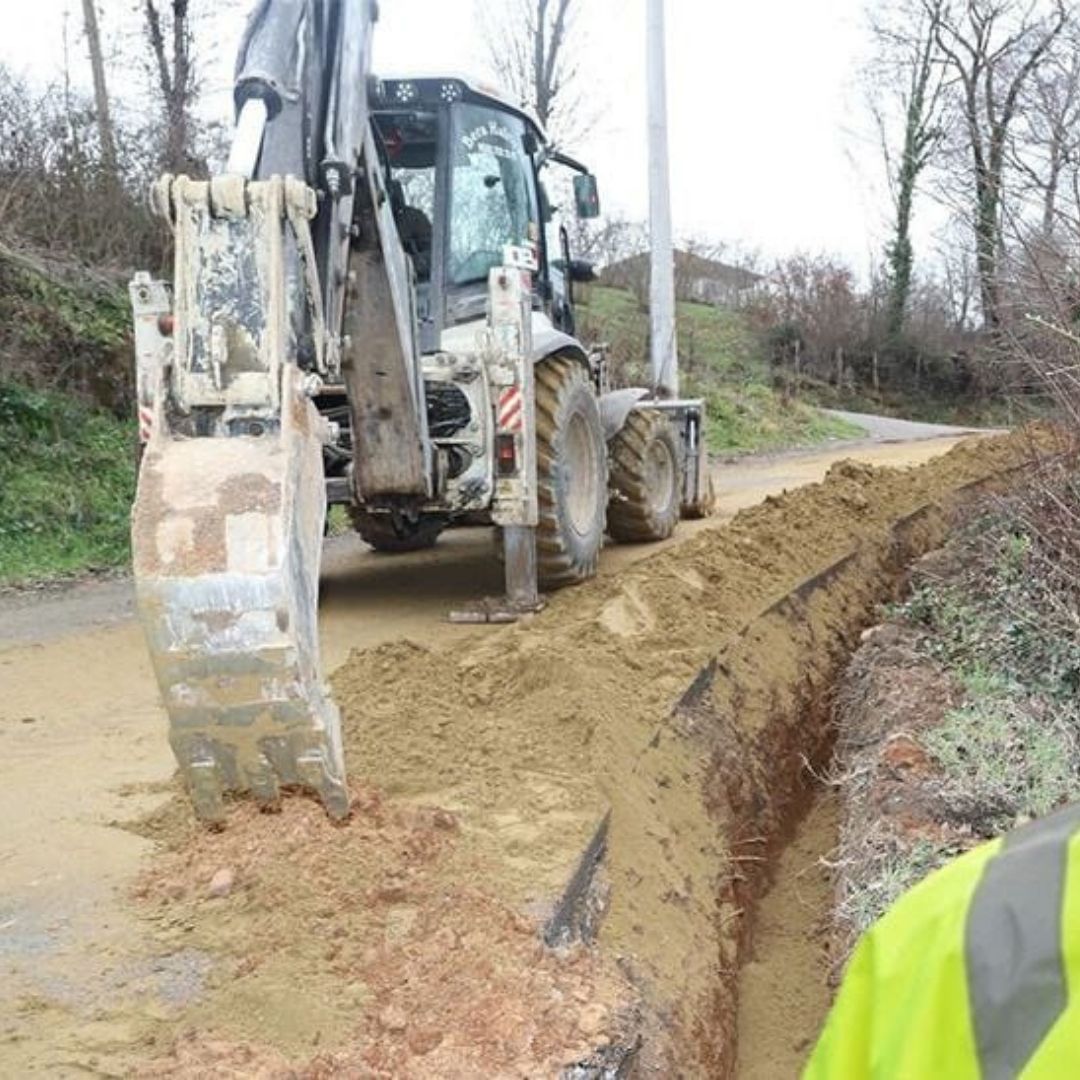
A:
373,306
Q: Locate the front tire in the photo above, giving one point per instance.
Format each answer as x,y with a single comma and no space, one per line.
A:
645,479
391,537
571,462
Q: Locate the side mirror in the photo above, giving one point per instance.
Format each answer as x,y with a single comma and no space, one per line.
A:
582,271
586,196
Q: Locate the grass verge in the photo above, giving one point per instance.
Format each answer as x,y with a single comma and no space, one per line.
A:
752,419
959,718
67,478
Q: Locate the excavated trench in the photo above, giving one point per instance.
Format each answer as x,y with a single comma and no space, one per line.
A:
777,898
627,772
780,669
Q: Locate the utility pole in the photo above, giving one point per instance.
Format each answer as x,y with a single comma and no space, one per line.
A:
663,346
106,131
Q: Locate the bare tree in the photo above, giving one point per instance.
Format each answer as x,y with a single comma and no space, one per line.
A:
106,131
907,83
170,39
528,45
608,239
959,277
1047,147
992,49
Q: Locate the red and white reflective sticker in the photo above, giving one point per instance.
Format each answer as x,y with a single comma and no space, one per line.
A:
511,409
146,422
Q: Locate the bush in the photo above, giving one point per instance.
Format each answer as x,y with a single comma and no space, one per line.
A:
1003,619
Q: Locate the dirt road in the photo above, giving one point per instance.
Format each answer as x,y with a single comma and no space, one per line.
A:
83,744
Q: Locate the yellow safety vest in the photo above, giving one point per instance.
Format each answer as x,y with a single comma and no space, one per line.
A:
975,972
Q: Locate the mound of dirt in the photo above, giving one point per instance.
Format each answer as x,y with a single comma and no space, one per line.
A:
684,695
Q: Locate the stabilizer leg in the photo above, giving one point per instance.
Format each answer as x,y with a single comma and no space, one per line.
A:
509,367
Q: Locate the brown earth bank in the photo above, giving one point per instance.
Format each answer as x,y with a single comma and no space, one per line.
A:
85,981
685,696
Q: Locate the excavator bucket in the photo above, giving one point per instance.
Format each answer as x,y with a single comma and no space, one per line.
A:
228,521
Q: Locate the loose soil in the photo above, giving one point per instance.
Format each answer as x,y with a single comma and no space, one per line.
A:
681,691
784,989
518,743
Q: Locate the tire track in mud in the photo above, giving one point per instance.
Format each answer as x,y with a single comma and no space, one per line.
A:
481,771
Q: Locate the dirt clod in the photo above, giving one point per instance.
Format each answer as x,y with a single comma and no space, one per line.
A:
592,1020
221,884
393,1019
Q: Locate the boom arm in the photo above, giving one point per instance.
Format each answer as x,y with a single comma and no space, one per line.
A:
228,520
304,67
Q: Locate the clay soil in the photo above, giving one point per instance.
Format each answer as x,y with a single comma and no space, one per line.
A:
409,936
684,694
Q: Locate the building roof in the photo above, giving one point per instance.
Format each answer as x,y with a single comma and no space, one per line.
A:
691,264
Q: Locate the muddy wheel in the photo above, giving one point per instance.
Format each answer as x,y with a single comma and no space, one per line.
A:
645,475
571,474
382,533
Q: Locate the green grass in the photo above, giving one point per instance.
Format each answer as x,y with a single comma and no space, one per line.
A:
1005,759
1010,751
65,330
720,360
41,309
67,478
715,345
753,419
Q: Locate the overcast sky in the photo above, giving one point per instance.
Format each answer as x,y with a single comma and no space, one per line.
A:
764,108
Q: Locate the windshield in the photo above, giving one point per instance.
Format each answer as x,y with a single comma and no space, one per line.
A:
492,193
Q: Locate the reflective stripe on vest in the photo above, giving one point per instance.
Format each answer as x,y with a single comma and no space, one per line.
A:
1012,944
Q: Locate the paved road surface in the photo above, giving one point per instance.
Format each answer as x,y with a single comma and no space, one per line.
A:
890,429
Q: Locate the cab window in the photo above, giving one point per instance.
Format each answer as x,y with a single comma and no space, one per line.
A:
492,192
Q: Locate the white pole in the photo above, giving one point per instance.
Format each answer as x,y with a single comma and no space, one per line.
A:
663,344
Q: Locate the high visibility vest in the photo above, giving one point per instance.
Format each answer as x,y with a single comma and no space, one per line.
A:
975,972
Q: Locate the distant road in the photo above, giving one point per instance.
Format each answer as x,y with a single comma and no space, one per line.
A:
889,429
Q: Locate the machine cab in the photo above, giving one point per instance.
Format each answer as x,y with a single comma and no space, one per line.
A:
469,175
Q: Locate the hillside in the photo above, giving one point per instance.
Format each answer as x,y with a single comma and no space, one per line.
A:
67,478
67,449
64,327
720,360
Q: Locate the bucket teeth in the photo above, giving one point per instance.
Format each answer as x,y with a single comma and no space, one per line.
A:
223,758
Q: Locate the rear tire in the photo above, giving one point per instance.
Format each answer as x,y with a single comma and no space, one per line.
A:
571,461
382,533
645,479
